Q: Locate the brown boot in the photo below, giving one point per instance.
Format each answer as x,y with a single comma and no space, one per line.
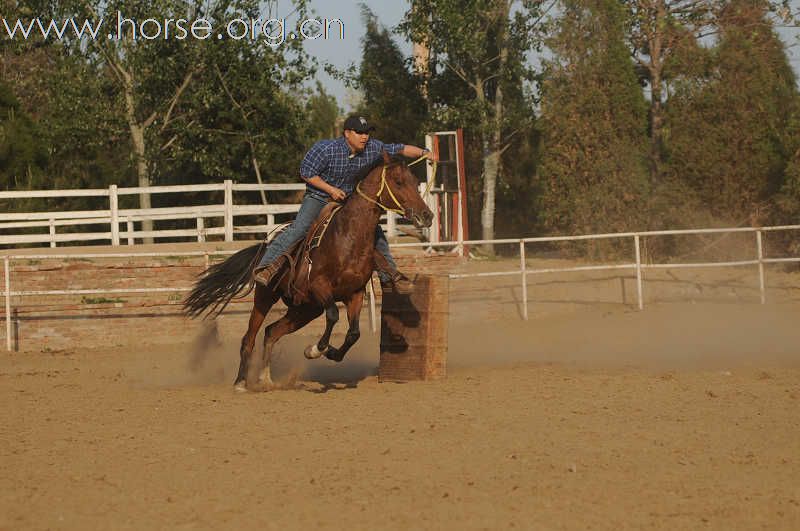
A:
398,283
265,274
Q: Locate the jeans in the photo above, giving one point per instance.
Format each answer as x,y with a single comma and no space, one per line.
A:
309,211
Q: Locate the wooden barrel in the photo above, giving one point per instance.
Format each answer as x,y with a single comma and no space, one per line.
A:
414,331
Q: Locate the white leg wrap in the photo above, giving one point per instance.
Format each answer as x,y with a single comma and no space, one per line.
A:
312,352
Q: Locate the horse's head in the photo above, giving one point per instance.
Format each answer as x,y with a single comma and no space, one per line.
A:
401,192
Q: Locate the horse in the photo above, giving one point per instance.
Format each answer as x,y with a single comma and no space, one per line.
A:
340,267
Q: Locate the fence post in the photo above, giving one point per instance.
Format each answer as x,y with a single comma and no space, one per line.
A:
372,319
523,267
7,264
228,210
761,267
391,225
113,201
201,231
461,228
52,232
638,271
131,239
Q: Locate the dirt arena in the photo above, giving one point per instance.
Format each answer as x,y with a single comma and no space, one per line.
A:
684,416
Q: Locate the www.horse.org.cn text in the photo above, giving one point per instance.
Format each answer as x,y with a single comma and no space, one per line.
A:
273,31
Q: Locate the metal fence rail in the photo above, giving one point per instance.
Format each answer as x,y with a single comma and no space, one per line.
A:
637,266
9,293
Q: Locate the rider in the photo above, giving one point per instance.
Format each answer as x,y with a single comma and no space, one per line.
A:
329,170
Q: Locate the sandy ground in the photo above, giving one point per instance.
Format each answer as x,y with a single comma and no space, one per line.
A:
685,416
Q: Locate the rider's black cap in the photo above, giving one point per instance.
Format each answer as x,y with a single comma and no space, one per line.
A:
358,124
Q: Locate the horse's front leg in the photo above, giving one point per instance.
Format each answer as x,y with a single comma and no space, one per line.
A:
316,350
353,333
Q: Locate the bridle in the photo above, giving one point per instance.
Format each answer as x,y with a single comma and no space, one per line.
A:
385,185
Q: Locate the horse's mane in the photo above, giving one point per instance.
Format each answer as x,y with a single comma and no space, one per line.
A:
362,174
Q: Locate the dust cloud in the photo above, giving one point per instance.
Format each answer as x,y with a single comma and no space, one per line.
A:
680,336
212,359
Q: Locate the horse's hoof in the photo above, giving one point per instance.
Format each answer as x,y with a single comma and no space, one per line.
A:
240,387
312,352
334,354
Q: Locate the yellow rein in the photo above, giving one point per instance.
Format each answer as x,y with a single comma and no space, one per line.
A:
385,184
433,180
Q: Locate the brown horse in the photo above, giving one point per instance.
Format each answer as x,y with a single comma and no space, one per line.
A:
342,265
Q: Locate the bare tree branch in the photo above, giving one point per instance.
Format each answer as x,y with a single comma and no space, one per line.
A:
178,92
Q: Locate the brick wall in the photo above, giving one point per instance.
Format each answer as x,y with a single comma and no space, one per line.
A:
57,322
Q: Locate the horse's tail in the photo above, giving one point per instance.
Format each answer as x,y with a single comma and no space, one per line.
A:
221,282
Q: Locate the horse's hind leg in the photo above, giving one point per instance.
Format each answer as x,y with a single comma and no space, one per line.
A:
353,332
319,348
264,299
295,318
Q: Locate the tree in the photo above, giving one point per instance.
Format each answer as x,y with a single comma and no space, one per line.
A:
665,37
248,121
728,134
476,46
69,105
137,111
592,171
156,77
23,156
661,29
789,199
323,113
391,94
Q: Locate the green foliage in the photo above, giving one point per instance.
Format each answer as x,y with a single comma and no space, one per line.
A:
592,171
467,68
516,187
23,157
101,300
391,94
788,199
322,112
727,131
242,105
722,131
481,80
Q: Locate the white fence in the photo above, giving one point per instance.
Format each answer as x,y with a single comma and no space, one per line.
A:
121,222
637,266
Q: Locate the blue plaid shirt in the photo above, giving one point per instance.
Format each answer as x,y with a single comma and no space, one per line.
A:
333,161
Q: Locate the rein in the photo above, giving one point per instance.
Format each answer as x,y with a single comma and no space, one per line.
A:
385,184
433,180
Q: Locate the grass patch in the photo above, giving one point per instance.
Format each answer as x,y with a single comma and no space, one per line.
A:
100,300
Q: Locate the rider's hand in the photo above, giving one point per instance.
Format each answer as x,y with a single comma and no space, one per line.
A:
336,194
431,156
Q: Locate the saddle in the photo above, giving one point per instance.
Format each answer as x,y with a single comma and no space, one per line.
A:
299,256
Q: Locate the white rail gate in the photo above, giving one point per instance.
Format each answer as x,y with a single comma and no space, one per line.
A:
122,222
